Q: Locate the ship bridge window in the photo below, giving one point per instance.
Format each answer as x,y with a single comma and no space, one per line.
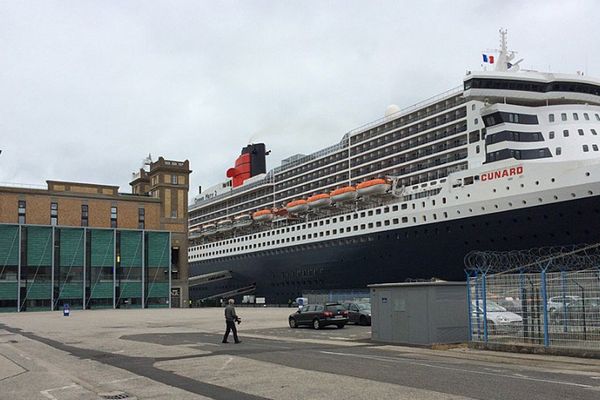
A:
518,154
551,117
513,136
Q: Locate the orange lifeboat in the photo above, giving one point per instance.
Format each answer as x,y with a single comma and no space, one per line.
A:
341,195
373,187
297,206
319,200
263,215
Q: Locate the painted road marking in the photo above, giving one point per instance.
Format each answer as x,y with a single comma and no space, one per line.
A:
511,376
46,393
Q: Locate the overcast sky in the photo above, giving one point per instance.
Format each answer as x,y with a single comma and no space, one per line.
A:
89,88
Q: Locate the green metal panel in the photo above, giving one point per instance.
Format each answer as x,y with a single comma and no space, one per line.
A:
72,290
8,290
71,247
131,249
158,290
39,291
102,290
131,289
9,245
39,246
102,248
158,249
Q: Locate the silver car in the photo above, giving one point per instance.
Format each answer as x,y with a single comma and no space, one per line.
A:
498,318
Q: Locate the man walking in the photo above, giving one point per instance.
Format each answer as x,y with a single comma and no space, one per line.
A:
230,319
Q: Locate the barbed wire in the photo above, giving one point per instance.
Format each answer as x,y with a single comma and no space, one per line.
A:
551,259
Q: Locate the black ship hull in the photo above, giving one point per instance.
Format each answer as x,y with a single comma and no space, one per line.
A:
420,252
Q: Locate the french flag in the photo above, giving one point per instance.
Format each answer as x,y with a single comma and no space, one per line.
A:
488,59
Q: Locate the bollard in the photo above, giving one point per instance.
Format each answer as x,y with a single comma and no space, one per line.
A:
66,310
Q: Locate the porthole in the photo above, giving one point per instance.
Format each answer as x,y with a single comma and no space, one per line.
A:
540,199
587,174
524,201
537,182
496,205
508,188
552,180
470,210
573,195
510,204
555,197
494,190
482,208
590,192
468,194
458,211
522,185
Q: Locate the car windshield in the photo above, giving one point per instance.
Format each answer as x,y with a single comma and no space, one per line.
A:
334,307
364,306
491,306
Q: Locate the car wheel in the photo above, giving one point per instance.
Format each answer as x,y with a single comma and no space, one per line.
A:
316,324
340,326
293,323
491,328
363,320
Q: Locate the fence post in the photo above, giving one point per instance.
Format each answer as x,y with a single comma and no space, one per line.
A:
469,306
563,278
477,303
524,307
545,308
484,298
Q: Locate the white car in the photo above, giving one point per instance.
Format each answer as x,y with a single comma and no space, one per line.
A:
498,318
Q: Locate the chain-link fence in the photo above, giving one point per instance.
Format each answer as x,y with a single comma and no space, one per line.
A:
540,297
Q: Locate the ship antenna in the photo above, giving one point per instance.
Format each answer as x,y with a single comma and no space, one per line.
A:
506,56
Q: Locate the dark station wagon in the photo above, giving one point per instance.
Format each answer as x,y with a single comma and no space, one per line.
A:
320,315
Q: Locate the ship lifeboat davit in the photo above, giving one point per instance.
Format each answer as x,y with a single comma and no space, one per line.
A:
225,225
263,215
209,229
297,206
319,200
341,195
373,187
242,221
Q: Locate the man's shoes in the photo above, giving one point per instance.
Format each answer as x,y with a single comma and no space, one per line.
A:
224,341
239,341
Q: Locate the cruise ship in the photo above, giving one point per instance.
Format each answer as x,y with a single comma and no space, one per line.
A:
510,159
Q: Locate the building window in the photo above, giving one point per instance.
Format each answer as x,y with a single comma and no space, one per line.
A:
174,179
113,217
173,213
141,218
22,206
53,214
84,214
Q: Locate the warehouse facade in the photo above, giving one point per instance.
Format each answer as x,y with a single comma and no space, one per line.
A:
89,246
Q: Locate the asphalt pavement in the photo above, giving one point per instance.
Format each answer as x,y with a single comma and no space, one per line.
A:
166,354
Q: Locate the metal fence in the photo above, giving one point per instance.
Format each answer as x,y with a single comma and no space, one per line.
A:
546,297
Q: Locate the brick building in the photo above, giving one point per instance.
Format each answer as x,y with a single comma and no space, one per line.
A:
90,246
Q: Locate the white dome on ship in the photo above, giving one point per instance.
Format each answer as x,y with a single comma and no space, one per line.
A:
391,109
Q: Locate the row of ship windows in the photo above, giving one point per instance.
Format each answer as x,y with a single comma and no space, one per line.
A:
566,133
422,178
417,115
398,134
585,148
355,228
461,127
362,214
564,117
